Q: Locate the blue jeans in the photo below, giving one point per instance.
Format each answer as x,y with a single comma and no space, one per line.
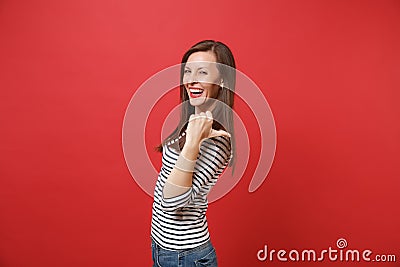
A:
203,255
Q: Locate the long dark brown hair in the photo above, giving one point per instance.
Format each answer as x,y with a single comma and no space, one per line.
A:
222,113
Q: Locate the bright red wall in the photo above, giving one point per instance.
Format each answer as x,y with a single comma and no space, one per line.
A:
329,70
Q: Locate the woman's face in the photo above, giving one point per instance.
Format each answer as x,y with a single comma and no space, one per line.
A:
201,79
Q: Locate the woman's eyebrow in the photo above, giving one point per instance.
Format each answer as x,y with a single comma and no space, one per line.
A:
199,67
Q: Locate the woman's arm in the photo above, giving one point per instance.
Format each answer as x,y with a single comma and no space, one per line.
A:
183,176
199,128
180,180
213,159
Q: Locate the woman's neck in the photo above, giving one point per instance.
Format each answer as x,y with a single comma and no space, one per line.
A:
204,107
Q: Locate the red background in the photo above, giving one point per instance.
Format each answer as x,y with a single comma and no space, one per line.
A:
329,70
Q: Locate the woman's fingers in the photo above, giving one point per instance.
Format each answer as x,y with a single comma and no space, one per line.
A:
199,127
202,115
192,117
209,115
214,133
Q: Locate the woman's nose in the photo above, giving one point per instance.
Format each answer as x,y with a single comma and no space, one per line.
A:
192,79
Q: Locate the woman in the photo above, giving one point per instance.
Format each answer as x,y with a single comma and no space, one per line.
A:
193,157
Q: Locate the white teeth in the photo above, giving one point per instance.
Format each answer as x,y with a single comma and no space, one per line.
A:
196,91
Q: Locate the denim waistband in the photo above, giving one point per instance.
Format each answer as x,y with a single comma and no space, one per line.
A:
185,251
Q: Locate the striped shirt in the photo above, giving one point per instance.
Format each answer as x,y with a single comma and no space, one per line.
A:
180,222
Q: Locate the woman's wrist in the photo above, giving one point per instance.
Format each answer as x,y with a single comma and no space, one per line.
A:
190,151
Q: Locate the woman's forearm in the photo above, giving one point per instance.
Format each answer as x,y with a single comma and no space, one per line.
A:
199,127
181,177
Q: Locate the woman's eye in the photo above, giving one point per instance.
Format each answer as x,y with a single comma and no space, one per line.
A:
203,72
186,71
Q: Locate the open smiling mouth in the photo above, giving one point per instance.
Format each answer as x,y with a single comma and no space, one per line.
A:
195,92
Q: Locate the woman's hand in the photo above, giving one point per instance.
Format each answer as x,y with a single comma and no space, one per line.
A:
199,128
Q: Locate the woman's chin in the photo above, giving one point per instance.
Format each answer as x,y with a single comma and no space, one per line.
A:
198,101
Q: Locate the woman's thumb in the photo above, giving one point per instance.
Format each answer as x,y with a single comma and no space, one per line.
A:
214,133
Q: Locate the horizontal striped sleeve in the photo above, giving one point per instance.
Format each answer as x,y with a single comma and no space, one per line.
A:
214,157
179,222
173,203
